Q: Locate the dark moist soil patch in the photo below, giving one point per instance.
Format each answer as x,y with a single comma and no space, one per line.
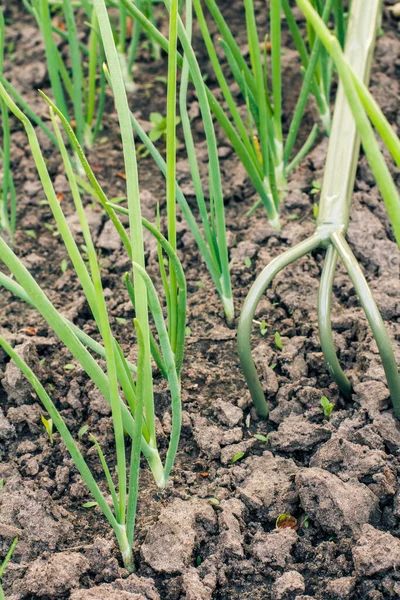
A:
339,478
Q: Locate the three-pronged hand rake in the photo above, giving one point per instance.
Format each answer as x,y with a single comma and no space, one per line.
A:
332,223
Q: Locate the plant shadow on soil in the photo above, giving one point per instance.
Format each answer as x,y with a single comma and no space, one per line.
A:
338,477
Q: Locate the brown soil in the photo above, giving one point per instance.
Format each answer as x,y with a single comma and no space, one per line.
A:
339,478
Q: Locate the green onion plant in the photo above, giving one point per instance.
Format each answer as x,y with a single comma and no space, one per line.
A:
258,138
8,200
128,49
365,110
211,236
122,49
146,6
213,216
82,86
127,388
350,125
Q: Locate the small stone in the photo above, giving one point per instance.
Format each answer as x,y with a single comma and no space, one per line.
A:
245,401
285,409
375,552
109,238
208,437
94,218
388,427
31,466
27,414
271,384
274,549
336,506
228,413
131,588
29,511
287,585
341,455
55,576
268,487
193,587
102,559
373,396
26,447
229,452
341,589
17,387
229,520
297,433
7,430
368,437
181,526
232,436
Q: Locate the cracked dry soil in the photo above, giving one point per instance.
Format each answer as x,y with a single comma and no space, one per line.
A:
339,478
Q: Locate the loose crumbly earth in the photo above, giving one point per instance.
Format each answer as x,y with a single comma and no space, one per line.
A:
339,478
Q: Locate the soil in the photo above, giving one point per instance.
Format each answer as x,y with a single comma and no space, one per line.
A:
211,534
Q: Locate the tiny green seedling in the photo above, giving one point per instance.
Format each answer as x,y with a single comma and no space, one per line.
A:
247,262
236,457
214,501
263,327
278,340
327,406
84,429
64,265
316,188
305,522
69,367
89,505
261,438
53,230
158,126
48,425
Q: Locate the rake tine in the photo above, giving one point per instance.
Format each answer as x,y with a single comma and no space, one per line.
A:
373,315
324,322
250,305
